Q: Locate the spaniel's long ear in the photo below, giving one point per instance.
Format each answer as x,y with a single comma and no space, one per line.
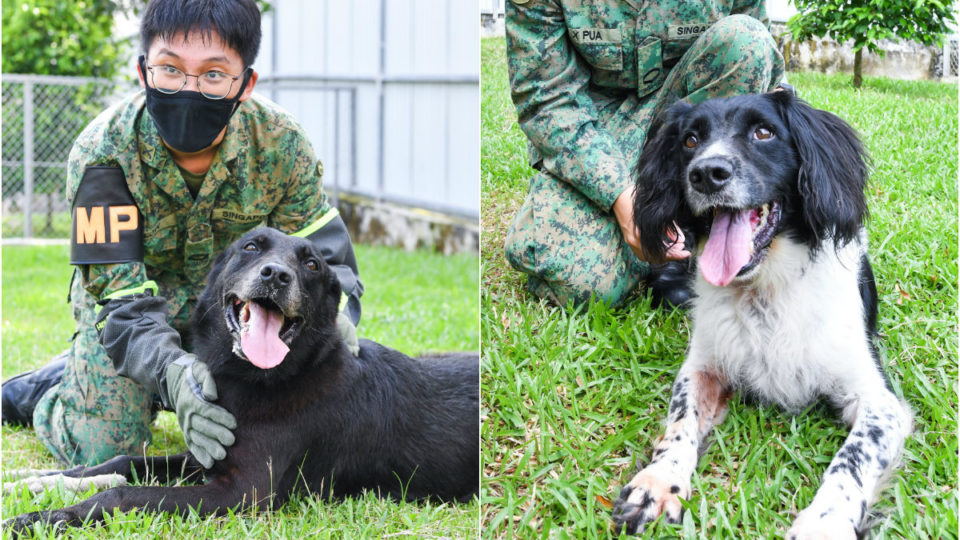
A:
833,169
659,202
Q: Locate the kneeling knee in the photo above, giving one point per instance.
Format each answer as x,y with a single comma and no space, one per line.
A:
736,29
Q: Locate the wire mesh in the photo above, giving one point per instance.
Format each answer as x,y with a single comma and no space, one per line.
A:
42,117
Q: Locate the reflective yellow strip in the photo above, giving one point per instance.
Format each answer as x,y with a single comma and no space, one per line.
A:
318,224
343,301
152,285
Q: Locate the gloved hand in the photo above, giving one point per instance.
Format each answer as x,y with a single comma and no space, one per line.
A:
206,427
145,348
348,333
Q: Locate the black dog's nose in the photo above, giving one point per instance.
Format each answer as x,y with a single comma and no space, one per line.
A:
275,275
710,174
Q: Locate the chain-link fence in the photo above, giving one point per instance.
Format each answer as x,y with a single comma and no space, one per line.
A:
42,115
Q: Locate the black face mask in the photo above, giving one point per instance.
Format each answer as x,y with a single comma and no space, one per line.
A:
189,121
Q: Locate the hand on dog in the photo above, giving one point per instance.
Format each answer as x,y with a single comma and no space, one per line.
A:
623,210
207,428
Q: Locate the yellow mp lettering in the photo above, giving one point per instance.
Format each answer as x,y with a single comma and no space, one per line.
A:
90,229
129,224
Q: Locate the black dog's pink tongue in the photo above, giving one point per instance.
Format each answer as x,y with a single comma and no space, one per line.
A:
729,247
260,339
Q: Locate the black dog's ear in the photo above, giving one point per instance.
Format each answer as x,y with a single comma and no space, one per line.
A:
659,203
334,291
333,285
217,268
833,169
221,261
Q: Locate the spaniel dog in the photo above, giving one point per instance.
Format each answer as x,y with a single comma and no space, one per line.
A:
785,305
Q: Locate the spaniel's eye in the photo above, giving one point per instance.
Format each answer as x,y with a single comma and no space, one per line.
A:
312,265
250,246
762,134
691,141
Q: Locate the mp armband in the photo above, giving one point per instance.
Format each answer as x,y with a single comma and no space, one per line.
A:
107,226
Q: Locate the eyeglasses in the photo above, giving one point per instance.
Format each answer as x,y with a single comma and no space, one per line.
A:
212,84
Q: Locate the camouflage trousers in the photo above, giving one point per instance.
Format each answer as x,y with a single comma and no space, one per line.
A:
93,414
571,248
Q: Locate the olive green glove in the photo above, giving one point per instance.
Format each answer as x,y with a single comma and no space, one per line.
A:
145,348
206,427
348,333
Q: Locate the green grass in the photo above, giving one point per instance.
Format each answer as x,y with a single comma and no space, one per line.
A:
414,301
45,225
572,402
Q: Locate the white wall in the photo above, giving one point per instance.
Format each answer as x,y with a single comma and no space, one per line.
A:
421,88
780,10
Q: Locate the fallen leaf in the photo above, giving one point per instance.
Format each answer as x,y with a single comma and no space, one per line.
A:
605,502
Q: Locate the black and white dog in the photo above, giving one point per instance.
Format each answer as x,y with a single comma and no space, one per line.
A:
786,304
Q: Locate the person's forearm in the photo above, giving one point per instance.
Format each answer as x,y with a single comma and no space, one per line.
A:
140,342
549,85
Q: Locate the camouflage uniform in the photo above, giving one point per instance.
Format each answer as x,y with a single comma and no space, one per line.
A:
265,173
587,78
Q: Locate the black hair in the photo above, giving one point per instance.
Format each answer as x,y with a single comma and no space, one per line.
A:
834,169
659,203
237,22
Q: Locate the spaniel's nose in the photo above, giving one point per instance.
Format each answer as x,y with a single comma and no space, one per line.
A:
709,175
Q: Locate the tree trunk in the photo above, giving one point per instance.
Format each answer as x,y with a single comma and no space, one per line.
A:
858,68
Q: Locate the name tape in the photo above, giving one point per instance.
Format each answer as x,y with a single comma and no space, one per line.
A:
595,35
686,31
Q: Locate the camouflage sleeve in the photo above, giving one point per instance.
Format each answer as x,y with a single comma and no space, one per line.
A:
549,88
100,280
306,212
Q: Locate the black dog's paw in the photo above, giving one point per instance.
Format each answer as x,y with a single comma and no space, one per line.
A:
648,495
24,524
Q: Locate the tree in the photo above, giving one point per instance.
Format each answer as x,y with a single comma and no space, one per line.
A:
866,22
52,37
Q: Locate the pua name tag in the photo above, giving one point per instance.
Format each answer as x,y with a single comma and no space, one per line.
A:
595,35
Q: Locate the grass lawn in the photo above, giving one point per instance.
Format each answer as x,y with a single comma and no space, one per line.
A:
414,301
572,402
45,225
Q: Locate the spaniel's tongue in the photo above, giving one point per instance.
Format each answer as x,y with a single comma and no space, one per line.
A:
728,248
260,341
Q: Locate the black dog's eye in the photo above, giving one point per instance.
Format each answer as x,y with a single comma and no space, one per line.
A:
312,265
762,134
250,246
691,141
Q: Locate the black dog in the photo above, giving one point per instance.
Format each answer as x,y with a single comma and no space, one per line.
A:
786,304
315,419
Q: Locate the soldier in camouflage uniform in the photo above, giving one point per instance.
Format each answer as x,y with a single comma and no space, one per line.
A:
260,170
587,79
